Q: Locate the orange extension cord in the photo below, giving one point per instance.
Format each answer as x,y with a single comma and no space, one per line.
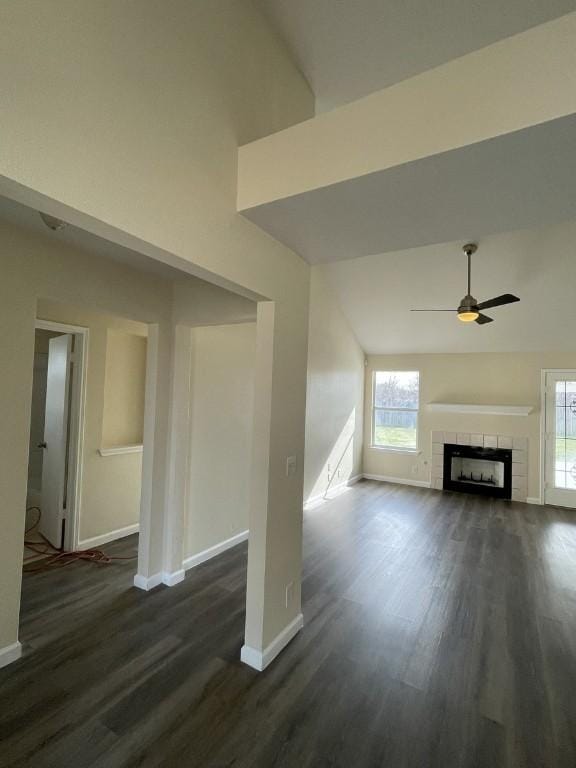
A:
58,558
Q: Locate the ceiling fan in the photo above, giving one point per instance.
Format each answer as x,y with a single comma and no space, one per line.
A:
469,309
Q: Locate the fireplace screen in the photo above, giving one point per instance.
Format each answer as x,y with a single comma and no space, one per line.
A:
487,471
482,471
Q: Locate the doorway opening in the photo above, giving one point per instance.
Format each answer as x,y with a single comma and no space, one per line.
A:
86,438
57,415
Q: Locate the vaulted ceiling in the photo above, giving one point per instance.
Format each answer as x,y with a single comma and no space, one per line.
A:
483,144
388,236
349,48
376,294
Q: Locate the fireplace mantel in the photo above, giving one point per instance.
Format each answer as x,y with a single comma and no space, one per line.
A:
487,410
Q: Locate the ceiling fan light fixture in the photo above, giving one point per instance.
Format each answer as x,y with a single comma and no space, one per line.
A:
468,316
467,311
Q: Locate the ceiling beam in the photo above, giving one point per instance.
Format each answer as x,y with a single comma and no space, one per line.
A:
522,81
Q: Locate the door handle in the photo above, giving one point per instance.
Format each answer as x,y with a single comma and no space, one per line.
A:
42,445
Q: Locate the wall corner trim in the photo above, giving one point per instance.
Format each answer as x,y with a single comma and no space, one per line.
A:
148,582
259,660
398,480
217,549
10,653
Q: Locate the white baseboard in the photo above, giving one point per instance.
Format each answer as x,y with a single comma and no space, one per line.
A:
534,500
259,660
171,579
9,654
106,538
175,577
217,549
148,582
329,493
398,480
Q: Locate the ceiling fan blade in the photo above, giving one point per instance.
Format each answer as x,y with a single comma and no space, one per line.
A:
433,310
483,319
506,298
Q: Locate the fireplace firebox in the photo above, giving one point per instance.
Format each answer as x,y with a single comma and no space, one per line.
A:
470,469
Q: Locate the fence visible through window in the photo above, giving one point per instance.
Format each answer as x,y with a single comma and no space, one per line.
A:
395,409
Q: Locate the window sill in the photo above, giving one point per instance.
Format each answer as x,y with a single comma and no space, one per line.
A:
386,449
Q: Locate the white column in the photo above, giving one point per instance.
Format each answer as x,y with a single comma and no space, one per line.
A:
153,487
273,603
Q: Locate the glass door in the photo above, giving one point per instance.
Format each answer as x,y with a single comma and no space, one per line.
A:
560,445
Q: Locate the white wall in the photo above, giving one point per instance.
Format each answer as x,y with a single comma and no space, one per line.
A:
334,405
222,421
498,379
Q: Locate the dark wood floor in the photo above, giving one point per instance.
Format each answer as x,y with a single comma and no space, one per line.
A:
440,631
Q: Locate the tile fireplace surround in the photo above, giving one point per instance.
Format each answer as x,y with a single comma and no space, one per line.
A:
519,446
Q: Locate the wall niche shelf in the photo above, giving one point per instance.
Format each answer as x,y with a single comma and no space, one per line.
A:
485,410
117,450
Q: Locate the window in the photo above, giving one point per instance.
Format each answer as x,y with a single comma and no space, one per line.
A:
395,410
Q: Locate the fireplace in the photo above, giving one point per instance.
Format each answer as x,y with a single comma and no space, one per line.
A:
470,469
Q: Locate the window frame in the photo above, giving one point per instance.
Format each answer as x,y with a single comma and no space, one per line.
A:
375,409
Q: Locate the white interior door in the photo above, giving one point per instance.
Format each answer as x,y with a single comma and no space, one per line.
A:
55,439
560,443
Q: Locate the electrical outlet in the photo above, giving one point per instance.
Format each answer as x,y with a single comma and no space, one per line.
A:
290,466
289,594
